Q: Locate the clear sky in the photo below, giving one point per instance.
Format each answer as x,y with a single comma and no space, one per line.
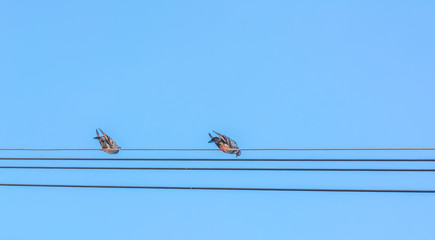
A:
162,74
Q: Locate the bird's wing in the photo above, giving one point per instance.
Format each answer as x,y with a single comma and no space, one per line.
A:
233,144
110,142
224,138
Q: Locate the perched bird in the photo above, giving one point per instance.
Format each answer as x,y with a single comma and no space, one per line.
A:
108,145
225,144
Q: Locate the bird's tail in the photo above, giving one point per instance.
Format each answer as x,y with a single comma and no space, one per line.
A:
98,135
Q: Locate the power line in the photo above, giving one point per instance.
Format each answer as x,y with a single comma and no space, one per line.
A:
332,149
220,159
205,149
220,188
223,169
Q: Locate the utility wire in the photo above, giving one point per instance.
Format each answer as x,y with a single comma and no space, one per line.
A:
219,188
204,149
224,169
220,159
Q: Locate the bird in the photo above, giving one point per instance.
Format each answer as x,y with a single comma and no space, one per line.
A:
108,145
225,144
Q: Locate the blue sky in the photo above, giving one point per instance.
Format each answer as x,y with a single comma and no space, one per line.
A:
162,74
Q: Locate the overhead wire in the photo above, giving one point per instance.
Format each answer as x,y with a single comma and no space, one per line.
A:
218,159
213,149
222,169
219,188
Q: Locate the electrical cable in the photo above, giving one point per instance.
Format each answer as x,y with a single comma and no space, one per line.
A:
205,149
219,159
219,188
221,169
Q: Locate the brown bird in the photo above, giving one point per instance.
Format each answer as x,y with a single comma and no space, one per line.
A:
108,145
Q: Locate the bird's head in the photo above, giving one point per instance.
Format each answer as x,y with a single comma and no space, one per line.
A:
213,139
